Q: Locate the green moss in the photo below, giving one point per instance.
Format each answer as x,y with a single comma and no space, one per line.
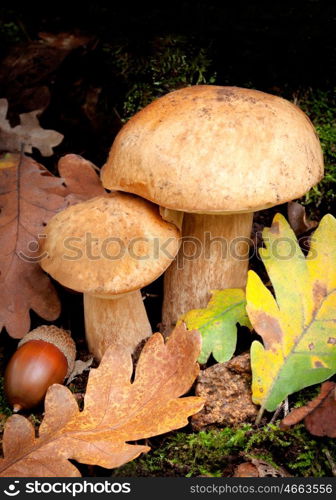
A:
5,410
157,66
321,107
181,454
305,395
35,419
11,32
216,453
4,407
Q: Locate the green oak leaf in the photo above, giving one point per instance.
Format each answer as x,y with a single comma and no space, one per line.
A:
217,323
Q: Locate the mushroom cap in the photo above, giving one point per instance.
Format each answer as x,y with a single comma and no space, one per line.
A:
210,149
109,245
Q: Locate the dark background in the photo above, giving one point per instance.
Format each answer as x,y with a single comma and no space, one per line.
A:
287,43
280,47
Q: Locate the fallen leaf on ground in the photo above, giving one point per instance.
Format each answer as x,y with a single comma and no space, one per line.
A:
27,135
27,67
116,411
217,323
79,368
29,196
81,177
319,414
259,468
30,99
267,470
246,469
298,219
64,41
32,65
90,105
298,325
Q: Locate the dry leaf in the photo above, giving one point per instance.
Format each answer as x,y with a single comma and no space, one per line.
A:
267,470
81,177
30,99
90,105
246,469
116,411
322,421
64,41
28,66
259,468
298,219
27,135
79,368
319,414
29,196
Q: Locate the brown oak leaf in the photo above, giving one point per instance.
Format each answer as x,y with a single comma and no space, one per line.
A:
29,196
246,469
117,411
319,414
259,468
27,135
80,367
64,41
31,66
81,177
298,219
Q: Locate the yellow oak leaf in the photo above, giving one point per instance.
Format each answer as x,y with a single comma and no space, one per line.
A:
297,323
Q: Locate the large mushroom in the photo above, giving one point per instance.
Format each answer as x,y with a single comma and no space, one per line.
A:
108,248
218,154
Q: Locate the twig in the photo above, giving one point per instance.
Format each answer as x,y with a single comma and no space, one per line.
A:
260,414
330,460
23,29
282,406
277,411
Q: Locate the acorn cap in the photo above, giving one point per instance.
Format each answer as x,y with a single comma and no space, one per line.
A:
58,337
211,149
109,245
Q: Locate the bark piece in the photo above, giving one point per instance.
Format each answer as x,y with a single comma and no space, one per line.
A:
226,388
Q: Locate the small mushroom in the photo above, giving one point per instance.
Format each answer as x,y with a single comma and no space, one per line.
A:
108,248
216,154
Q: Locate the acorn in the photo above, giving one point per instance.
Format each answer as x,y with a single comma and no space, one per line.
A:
45,356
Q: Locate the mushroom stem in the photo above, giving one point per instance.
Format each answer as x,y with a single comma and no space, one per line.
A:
214,255
121,321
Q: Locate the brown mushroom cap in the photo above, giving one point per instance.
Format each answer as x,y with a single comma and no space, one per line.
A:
109,245
210,149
